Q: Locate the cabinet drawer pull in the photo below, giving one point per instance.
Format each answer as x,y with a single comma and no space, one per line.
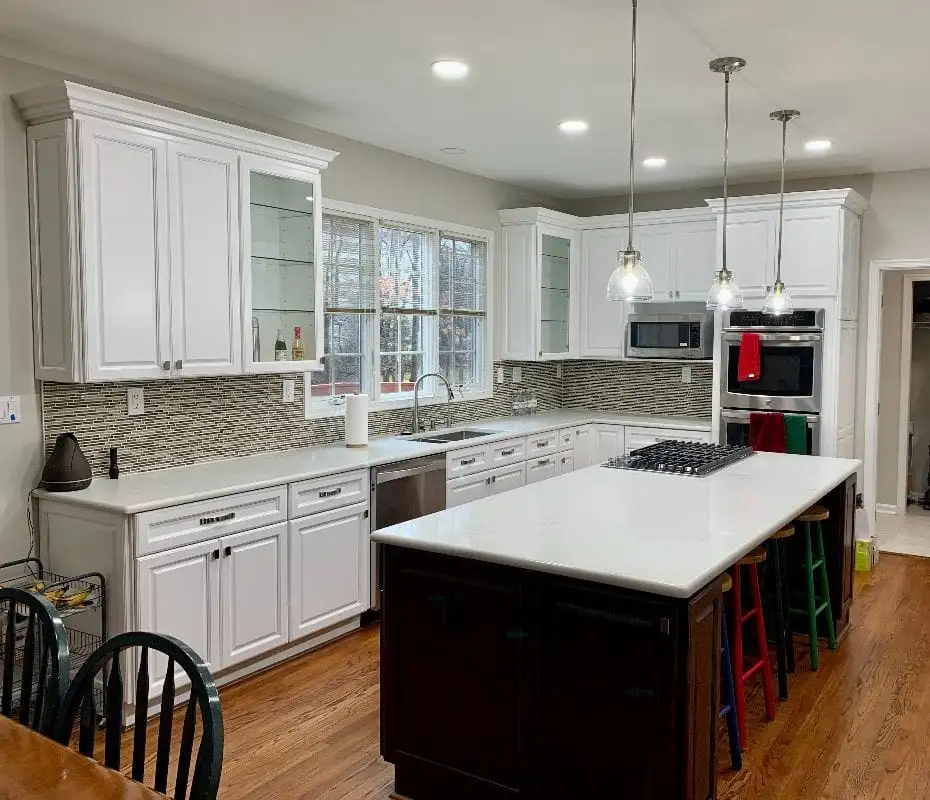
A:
564,459
330,492
215,555
543,462
223,518
543,444
509,452
466,461
227,551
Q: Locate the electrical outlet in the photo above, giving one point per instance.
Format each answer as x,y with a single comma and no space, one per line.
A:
517,375
500,374
686,374
10,412
135,402
288,390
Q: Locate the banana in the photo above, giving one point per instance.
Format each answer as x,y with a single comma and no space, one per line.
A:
55,595
37,586
72,600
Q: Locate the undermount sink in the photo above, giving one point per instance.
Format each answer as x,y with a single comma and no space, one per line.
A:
451,436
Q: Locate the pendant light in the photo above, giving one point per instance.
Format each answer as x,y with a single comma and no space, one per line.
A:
778,300
725,293
630,280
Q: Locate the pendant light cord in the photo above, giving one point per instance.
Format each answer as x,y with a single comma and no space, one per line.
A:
726,155
781,202
632,129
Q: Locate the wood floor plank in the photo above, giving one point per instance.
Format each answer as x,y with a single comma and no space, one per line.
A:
859,729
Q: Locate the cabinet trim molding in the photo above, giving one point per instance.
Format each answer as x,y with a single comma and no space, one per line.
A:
847,198
66,98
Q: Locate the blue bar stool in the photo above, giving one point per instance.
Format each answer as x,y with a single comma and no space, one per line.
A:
729,693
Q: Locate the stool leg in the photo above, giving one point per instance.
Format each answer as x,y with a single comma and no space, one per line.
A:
780,647
736,757
738,653
811,598
825,588
786,602
763,643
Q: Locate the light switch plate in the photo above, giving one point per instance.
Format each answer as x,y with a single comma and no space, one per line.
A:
686,374
517,375
10,410
288,390
135,402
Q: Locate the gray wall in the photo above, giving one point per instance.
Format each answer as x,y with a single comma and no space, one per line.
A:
361,174
920,407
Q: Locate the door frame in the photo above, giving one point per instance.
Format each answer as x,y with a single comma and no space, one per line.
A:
877,270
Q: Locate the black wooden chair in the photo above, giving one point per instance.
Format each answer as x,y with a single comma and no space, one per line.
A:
80,699
36,664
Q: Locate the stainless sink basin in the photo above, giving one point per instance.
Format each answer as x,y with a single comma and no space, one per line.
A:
451,436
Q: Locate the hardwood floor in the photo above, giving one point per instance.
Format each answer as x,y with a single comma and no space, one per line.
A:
860,728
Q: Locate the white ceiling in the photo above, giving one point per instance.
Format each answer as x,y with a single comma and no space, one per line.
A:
857,70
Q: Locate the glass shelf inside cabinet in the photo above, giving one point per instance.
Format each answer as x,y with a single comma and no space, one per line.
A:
282,263
555,293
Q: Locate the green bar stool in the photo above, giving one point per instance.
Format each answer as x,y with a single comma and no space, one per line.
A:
816,586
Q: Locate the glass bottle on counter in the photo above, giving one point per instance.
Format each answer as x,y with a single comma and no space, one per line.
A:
297,349
280,348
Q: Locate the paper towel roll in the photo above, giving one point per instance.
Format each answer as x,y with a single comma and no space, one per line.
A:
357,420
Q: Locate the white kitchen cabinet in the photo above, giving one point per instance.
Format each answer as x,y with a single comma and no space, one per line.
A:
136,239
541,469
460,491
849,288
695,259
750,251
602,321
656,243
540,285
566,463
203,200
634,438
608,442
504,479
810,252
178,594
584,451
846,392
254,592
330,576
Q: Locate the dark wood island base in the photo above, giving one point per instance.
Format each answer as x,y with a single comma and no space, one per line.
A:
499,682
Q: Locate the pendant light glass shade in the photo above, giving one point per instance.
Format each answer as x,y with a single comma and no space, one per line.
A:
778,300
630,281
725,293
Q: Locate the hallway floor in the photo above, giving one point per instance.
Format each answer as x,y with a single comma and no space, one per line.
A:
906,534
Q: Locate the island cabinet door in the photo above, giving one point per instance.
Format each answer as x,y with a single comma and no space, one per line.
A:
607,665
455,677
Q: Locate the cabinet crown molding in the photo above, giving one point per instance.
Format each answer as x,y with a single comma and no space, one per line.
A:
68,99
845,198
530,216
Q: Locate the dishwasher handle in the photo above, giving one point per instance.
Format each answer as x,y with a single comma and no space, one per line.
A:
389,475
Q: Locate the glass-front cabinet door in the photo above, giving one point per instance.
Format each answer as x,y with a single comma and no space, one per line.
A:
282,289
556,278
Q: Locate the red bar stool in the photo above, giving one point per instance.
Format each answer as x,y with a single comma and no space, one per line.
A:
744,666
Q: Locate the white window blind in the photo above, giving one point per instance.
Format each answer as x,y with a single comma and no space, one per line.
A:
405,281
350,264
463,265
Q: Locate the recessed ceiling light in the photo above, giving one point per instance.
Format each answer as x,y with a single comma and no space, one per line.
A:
818,145
573,126
449,69
654,162
454,151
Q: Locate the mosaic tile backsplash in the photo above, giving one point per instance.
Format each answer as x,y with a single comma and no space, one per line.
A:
205,419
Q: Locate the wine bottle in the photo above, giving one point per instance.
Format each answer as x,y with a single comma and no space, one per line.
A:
297,349
280,348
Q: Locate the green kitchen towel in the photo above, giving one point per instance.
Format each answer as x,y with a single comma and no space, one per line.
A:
795,434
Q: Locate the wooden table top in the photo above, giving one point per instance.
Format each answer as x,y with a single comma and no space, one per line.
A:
32,766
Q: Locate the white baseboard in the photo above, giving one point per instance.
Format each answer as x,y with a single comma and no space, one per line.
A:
886,508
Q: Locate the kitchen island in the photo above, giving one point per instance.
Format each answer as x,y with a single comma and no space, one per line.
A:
562,640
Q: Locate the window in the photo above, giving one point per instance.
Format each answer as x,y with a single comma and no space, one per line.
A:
404,297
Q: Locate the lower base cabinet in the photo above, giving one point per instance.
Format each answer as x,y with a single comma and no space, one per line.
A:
330,568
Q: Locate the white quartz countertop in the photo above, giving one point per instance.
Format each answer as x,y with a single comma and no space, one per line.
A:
663,534
136,492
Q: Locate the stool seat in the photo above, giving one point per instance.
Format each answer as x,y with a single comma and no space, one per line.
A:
784,533
727,582
815,514
756,556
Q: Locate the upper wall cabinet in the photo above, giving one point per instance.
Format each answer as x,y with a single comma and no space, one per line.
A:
820,248
539,287
166,244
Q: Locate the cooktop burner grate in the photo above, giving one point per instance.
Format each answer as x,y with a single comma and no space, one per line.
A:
694,459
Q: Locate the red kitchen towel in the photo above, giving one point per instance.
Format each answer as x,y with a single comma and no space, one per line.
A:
750,358
767,432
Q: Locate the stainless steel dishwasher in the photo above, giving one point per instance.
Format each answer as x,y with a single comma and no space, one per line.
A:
400,492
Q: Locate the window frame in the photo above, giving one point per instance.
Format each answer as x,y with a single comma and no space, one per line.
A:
332,406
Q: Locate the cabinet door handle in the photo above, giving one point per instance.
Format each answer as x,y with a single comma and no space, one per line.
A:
487,481
543,462
543,444
227,551
466,461
330,492
540,353
178,364
215,555
509,452
166,365
494,479
223,518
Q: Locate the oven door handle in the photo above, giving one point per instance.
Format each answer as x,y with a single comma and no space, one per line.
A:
785,338
743,416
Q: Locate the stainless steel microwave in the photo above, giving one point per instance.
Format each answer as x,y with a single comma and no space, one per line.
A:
671,335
